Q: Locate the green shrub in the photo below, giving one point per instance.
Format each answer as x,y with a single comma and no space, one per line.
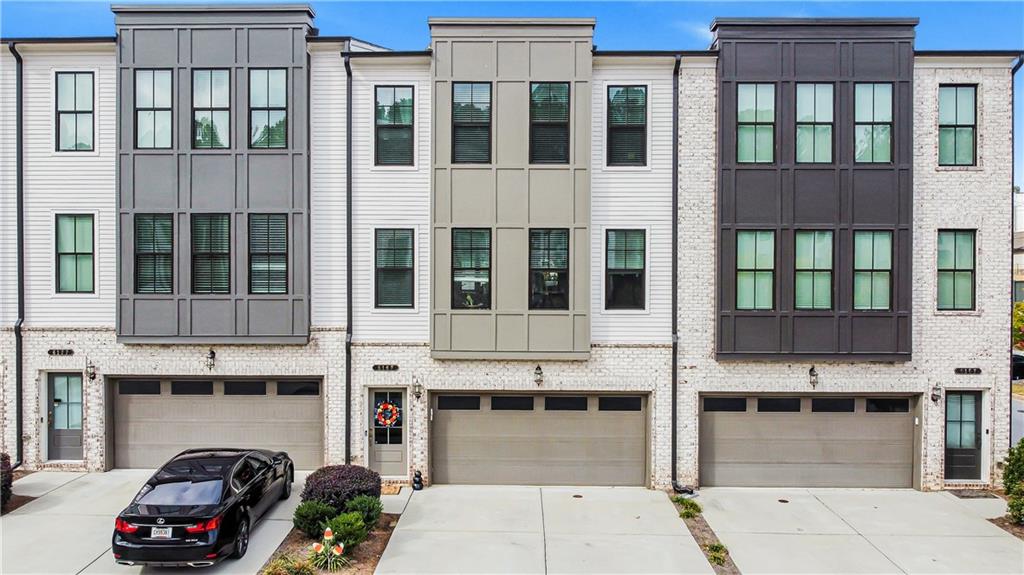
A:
288,564
310,516
690,508
1013,472
335,485
6,479
716,553
348,529
368,506
1015,504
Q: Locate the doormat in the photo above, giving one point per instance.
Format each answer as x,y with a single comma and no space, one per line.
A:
390,489
973,494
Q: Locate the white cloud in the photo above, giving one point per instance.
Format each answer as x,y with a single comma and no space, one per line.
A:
699,30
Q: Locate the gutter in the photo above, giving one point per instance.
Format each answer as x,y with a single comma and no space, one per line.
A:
1013,216
348,259
675,273
19,366
388,54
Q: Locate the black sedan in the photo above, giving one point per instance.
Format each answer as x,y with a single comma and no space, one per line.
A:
199,508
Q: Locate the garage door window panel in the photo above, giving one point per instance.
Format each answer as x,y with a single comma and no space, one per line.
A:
813,275
565,403
245,388
308,388
778,404
872,270
549,269
459,402
511,403
887,405
130,387
755,270
191,388
619,403
833,404
736,404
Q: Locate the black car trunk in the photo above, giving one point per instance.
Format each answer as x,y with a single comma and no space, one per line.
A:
167,524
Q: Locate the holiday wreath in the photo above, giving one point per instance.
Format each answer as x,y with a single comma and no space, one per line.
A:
387,413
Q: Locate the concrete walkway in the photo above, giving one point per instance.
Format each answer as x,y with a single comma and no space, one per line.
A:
68,529
860,531
492,529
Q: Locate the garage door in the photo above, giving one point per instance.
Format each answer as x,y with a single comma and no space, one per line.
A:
154,420
539,439
807,441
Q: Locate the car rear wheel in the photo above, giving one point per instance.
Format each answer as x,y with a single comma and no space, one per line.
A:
287,491
241,540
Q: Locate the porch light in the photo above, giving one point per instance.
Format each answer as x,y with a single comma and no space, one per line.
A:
211,359
812,376
417,388
538,376
90,370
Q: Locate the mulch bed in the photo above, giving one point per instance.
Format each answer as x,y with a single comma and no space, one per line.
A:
705,536
365,555
1015,529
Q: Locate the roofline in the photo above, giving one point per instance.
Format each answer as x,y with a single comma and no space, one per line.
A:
443,21
218,7
813,22
971,53
655,53
389,53
316,38
62,40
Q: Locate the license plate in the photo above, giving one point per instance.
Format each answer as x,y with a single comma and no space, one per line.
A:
160,533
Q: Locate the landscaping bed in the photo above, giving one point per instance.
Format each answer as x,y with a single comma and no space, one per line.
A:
364,557
715,552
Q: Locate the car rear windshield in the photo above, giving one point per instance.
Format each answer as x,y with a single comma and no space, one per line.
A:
198,492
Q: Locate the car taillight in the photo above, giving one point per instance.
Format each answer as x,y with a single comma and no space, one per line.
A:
204,526
123,526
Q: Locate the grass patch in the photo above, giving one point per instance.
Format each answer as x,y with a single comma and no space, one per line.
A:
688,508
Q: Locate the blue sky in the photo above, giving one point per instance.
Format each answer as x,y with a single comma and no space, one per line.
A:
620,25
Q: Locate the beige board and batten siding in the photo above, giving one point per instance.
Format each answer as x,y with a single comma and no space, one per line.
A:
633,197
510,195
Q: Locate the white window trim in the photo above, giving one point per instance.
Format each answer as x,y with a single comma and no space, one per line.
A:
415,309
603,310
95,254
649,84
54,128
416,94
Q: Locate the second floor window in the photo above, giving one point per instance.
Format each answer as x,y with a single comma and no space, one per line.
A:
956,269
549,123
755,269
872,123
268,253
211,254
627,125
957,118
74,111
755,123
471,123
872,270
74,253
153,109
393,145
549,269
393,265
813,275
211,109
624,273
154,253
268,108
814,123
471,268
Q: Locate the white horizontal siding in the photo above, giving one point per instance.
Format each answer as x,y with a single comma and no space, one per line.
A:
8,192
639,197
327,188
390,197
68,182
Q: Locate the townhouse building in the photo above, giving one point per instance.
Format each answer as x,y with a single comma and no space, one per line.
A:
510,257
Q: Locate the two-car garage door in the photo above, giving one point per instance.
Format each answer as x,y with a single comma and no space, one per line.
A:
154,419
544,439
820,441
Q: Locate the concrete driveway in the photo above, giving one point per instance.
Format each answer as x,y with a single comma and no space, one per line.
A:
860,531
68,529
498,529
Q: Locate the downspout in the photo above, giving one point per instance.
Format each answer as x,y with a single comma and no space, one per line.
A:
20,227
1013,221
675,274
348,260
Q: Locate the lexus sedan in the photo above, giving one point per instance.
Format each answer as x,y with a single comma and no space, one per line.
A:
199,508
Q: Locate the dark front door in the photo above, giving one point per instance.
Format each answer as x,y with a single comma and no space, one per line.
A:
963,435
65,416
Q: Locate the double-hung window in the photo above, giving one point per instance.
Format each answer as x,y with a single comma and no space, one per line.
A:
872,269
626,251
74,253
393,265
549,269
153,113
154,253
211,254
957,119
755,269
956,269
627,125
813,270
549,123
211,109
814,123
872,123
268,108
755,123
471,122
393,144
471,268
268,253
74,111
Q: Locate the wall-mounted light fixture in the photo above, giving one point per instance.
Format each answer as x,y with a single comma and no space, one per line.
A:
538,376
417,388
211,359
812,376
936,393
90,370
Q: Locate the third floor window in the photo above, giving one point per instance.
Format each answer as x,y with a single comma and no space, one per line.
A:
471,123
549,123
393,119
153,109
268,108
211,109
872,123
957,118
755,123
75,111
814,123
627,125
